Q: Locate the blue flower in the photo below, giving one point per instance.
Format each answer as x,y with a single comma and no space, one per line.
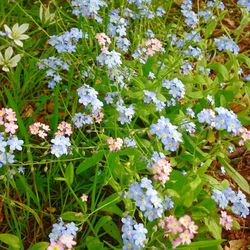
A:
59,229
88,97
133,234
146,198
220,198
125,113
244,3
14,143
176,88
225,43
130,142
60,145
88,8
167,132
111,59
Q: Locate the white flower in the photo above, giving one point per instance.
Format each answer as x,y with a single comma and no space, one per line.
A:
17,33
7,62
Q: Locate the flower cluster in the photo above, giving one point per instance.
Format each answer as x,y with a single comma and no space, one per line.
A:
191,18
8,120
148,49
225,119
62,236
223,198
245,135
175,88
8,140
81,119
6,154
133,234
111,59
103,40
188,126
125,113
182,230
39,129
167,132
67,41
129,142
88,97
226,220
160,167
64,128
88,8
114,144
60,145
146,198
150,97
53,65
225,43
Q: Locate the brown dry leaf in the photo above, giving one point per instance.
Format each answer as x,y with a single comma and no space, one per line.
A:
1,213
230,23
235,245
28,110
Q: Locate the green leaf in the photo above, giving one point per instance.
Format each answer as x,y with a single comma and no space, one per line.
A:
54,120
90,162
221,70
213,227
11,240
39,246
195,94
103,220
73,216
111,228
191,191
69,174
109,204
94,243
201,244
210,28
194,149
243,184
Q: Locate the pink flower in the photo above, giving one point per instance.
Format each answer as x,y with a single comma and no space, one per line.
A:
193,228
10,127
185,221
226,220
67,240
245,136
103,40
84,197
55,246
39,129
161,170
186,237
176,242
174,226
98,117
114,144
64,128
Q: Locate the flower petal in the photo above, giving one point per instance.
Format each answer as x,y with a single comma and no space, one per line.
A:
18,42
7,29
8,53
23,27
14,61
15,28
1,59
23,37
